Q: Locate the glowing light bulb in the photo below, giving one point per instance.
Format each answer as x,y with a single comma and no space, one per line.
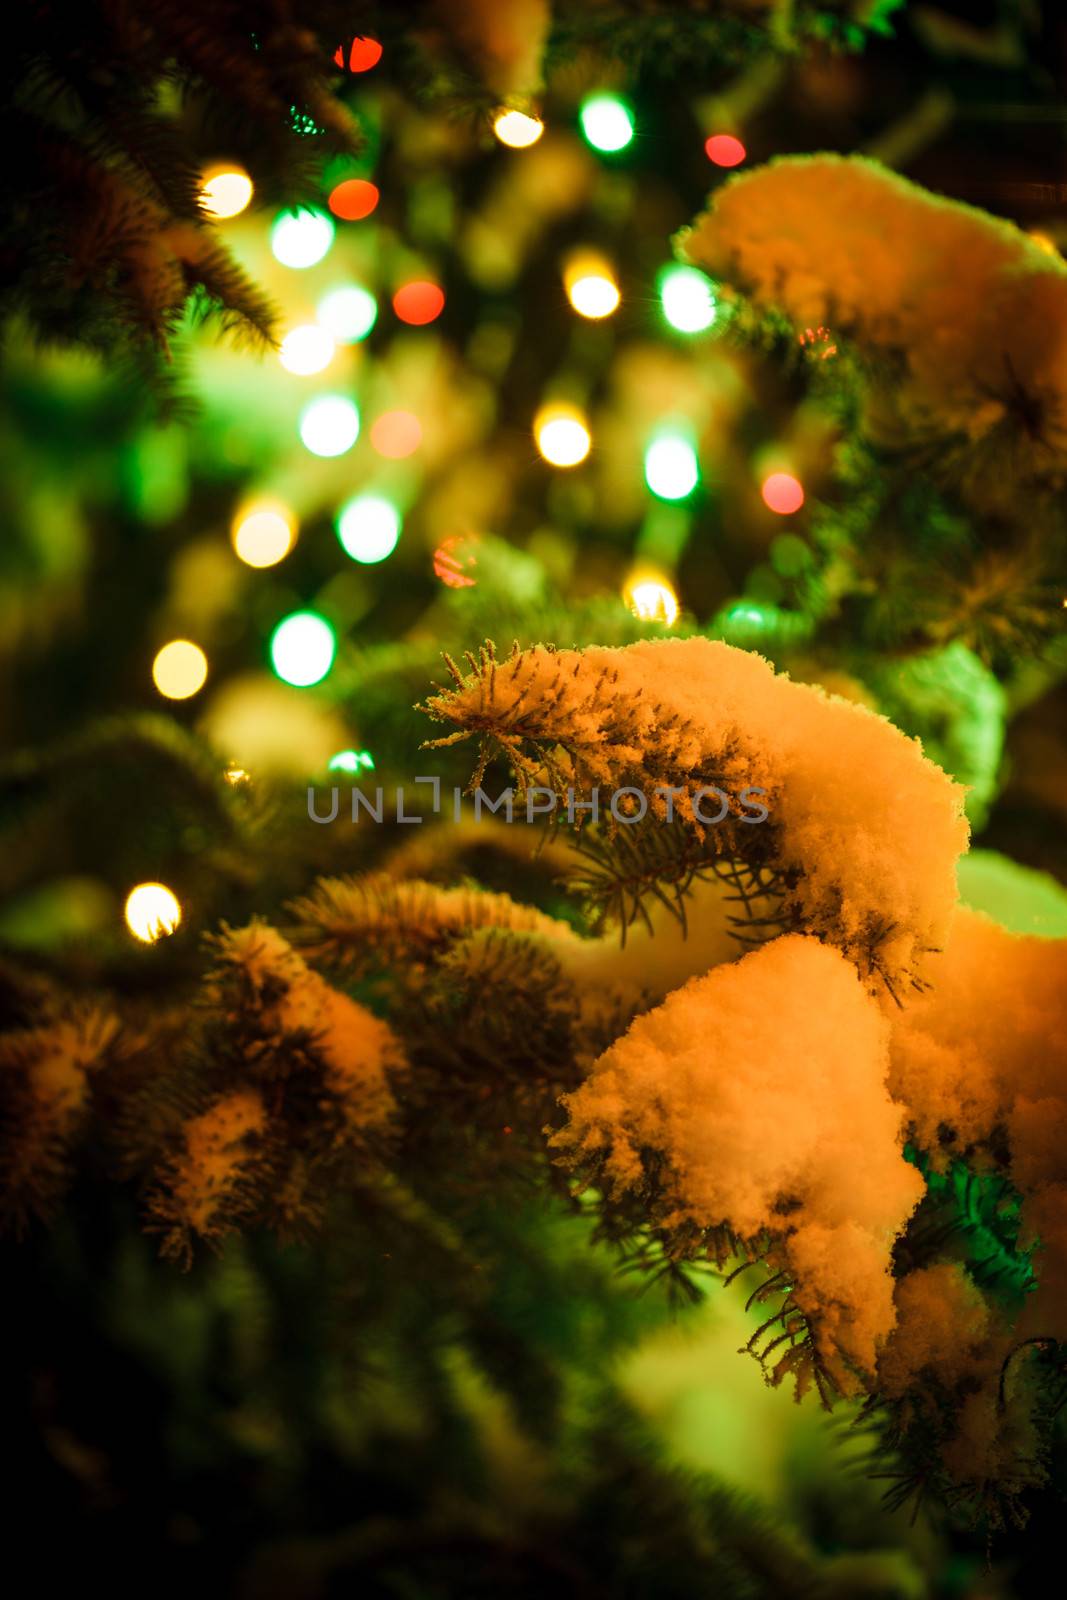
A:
263,534
607,123
225,192
688,299
329,425
783,493
671,469
724,150
419,302
562,436
651,599
306,349
353,199
302,648
300,239
180,669
591,289
368,528
396,434
517,130
152,911
348,314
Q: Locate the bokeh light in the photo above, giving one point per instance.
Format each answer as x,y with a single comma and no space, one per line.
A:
517,130
452,561
651,599
152,911
687,296
724,150
353,199
396,434
591,289
419,302
362,54
562,435
671,469
782,493
263,534
368,528
329,425
302,648
607,122
306,349
351,761
225,192
348,313
179,669
301,238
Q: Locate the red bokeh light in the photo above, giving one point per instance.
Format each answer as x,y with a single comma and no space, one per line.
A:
452,561
353,199
725,150
419,302
783,493
396,434
363,54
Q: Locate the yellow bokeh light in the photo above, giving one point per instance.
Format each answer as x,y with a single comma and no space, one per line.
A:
180,669
152,911
590,285
1044,243
517,130
225,192
306,350
262,534
593,296
562,436
651,598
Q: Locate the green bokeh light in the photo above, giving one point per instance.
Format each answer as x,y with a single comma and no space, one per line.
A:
687,296
368,528
671,469
301,238
329,425
351,761
302,648
348,313
607,122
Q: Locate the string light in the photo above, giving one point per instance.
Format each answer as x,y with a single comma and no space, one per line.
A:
351,761
348,314
152,911
306,349
562,436
419,302
300,239
516,129
329,425
651,599
396,434
607,123
302,648
225,192
354,199
724,150
671,469
687,296
263,534
591,289
179,670
363,54
782,493
368,528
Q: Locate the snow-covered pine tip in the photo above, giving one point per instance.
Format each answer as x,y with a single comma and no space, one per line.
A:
863,831
742,1112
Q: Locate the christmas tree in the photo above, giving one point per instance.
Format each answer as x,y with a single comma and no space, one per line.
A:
533,943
